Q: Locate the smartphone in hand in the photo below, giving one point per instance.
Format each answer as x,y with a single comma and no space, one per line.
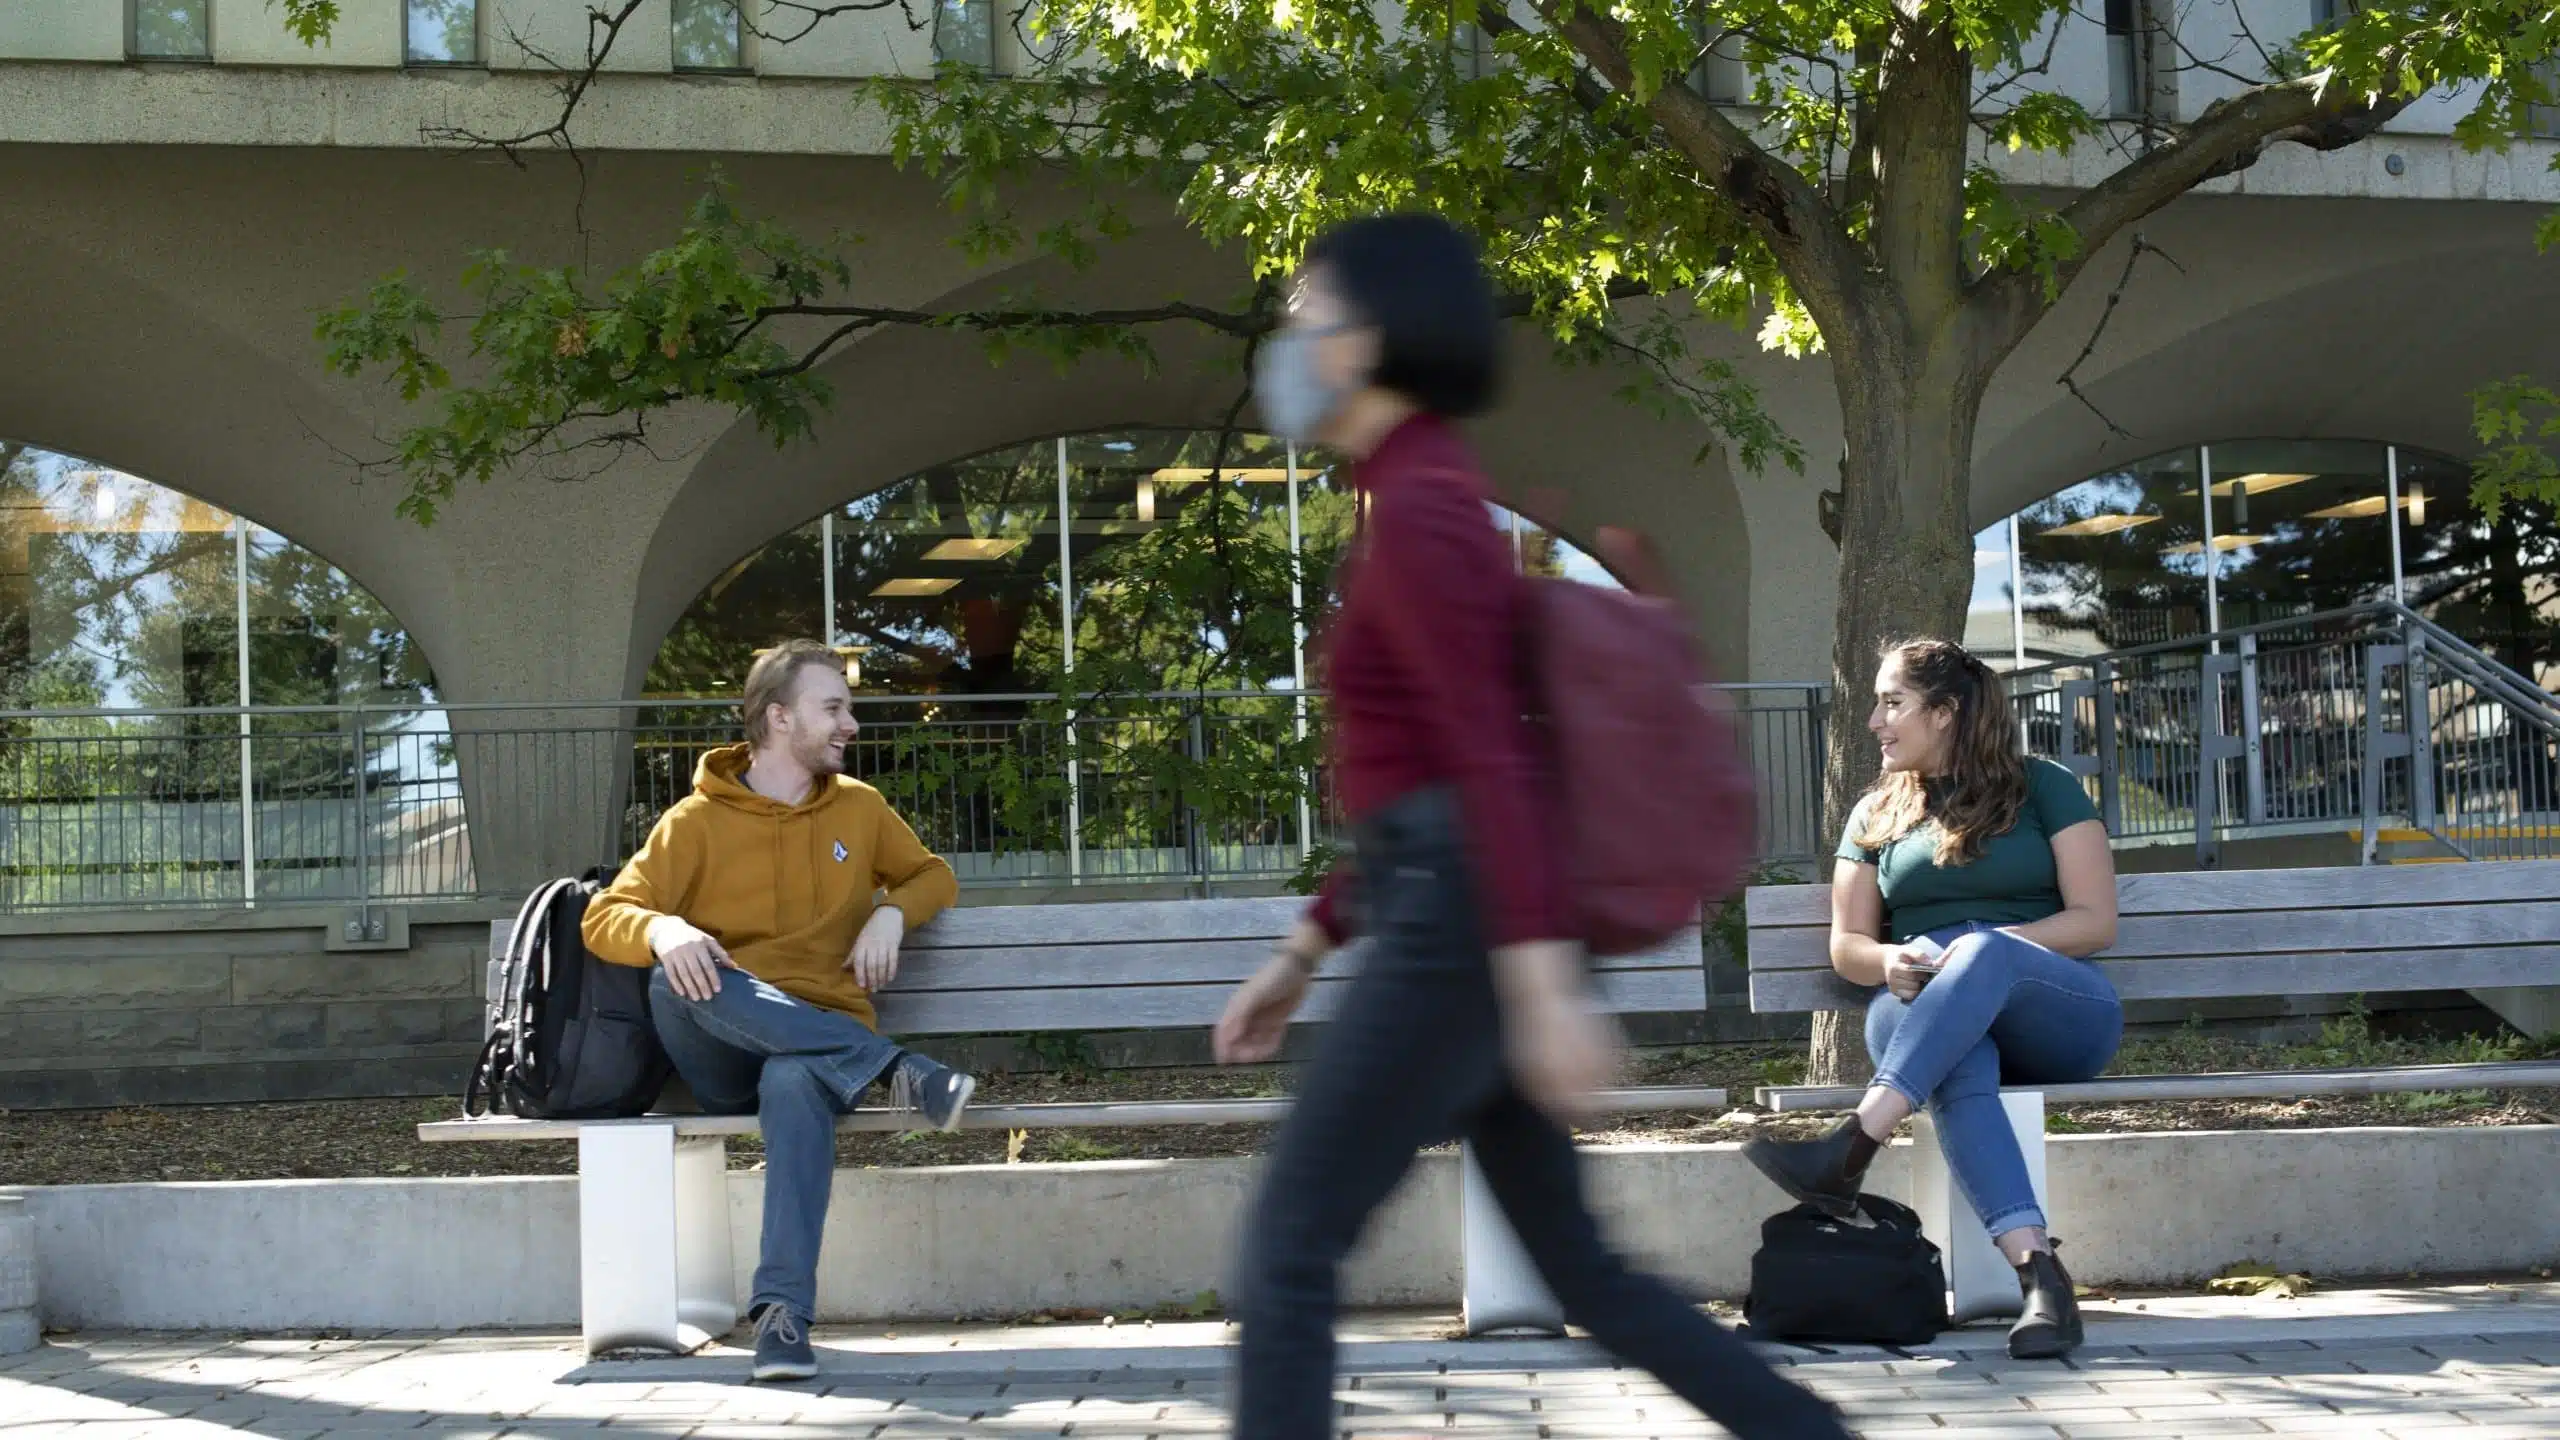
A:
1932,955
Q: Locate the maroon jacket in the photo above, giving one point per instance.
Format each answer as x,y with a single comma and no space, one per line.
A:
1424,668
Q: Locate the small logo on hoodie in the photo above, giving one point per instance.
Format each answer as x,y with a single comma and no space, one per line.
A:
840,852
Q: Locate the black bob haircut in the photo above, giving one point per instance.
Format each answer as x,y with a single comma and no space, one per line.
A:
1419,281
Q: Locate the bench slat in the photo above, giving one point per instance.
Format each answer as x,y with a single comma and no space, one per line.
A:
1181,962
2211,977
2237,1085
1651,1099
1119,921
2271,932
2213,891
1176,1007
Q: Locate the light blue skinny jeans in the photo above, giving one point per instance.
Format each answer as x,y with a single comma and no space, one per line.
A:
2003,1011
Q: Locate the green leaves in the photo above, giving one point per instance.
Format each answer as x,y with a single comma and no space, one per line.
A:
2518,420
309,21
565,368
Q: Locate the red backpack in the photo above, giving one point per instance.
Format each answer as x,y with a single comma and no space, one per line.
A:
1656,813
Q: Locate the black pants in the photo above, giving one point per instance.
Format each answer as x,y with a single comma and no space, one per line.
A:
1415,1059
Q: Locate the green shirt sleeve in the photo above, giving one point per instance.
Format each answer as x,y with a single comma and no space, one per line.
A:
2060,800
1850,849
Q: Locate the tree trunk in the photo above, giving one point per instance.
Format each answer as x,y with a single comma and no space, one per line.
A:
1906,572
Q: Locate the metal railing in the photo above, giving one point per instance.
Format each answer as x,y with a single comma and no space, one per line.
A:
2372,718
367,806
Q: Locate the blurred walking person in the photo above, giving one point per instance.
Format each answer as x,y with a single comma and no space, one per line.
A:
1470,1017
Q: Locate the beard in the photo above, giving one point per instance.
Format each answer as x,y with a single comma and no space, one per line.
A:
821,758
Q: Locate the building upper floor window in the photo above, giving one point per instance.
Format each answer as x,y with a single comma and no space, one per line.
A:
708,36
170,30
964,33
2542,121
2128,56
442,32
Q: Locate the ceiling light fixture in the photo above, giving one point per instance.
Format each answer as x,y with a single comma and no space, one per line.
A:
2220,542
2100,525
973,549
913,588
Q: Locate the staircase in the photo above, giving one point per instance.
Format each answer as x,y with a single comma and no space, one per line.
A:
2372,722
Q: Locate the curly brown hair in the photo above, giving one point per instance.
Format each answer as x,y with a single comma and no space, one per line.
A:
1985,785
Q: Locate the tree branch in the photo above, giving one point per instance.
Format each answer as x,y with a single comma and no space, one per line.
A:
2228,138
1803,233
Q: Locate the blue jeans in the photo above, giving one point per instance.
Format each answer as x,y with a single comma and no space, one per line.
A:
2003,1011
1415,1058
751,1049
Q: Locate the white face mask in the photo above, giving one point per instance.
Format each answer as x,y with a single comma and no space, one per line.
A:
1295,400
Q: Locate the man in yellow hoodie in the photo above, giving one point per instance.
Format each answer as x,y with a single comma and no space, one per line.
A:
772,901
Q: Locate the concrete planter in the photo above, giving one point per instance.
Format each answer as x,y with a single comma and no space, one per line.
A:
20,1331
986,1241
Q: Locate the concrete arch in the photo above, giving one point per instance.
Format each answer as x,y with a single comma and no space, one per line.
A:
2374,345
912,399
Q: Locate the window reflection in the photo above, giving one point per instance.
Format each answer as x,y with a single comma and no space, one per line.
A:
117,593
172,29
964,33
1179,558
2495,582
2114,561
443,32
2297,528
707,35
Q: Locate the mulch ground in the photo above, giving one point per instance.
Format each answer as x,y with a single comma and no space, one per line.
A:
344,1138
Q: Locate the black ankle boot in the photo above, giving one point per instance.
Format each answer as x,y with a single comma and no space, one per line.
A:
2049,1328
1824,1172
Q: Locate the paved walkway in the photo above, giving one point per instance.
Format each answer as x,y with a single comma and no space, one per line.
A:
2475,1363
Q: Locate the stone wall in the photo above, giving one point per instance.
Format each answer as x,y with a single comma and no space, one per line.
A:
146,1009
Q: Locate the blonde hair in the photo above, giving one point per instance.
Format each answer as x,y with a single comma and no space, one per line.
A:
1984,788
771,679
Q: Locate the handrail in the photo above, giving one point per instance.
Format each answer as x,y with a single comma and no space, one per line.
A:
385,709
2206,639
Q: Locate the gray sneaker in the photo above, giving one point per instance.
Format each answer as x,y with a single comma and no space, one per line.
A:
782,1347
938,1093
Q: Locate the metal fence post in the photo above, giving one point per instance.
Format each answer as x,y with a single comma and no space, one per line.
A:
2418,712
2380,744
1195,742
2213,746
2110,778
2253,770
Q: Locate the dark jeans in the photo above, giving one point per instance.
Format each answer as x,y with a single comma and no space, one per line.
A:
1415,1059
753,1050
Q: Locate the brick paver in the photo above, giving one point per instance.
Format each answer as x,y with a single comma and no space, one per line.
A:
2477,1373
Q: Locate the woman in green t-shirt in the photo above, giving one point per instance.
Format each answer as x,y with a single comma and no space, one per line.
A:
1971,885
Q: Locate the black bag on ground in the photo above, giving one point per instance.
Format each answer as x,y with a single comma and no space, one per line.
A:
570,1037
1820,1279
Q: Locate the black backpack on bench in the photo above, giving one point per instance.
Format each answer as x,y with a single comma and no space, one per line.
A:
570,1036
1820,1279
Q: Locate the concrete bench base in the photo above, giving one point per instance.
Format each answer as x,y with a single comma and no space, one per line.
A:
655,1266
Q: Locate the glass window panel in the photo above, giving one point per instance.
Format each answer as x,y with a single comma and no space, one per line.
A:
768,597
1182,563
444,32
2114,561
2298,528
1543,552
117,593
964,33
2495,582
946,583
707,35
1989,630
173,29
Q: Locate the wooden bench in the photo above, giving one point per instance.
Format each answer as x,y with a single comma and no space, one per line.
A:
2210,934
655,1264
